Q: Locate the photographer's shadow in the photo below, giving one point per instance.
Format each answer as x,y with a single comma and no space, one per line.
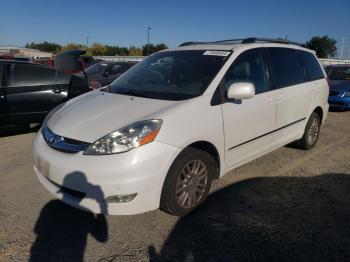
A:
62,230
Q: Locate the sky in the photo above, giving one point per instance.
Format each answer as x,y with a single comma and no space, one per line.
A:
125,23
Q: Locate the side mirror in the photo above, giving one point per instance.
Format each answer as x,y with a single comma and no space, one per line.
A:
105,74
68,60
241,90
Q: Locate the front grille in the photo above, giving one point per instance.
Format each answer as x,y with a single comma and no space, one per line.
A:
63,144
334,93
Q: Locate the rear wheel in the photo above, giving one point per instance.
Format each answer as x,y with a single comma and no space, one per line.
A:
312,132
188,181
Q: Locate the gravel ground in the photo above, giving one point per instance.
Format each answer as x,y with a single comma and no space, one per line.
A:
290,205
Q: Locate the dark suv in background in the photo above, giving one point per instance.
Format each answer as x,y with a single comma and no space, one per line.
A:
29,91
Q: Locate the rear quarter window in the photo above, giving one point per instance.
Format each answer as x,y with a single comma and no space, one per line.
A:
313,68
286,67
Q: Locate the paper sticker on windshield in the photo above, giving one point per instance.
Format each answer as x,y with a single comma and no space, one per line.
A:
217,53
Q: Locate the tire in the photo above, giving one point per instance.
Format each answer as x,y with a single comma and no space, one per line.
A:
311,133
188,182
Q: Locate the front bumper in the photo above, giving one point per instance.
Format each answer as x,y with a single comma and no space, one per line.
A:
339,102
86,181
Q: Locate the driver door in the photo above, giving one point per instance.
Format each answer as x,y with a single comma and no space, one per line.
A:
249,122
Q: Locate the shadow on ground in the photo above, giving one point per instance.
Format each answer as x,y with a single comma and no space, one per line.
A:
61,231
267,219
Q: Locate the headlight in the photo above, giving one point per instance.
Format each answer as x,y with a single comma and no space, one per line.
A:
126,138
346,94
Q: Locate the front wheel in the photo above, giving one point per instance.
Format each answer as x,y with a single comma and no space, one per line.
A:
188,181
311,133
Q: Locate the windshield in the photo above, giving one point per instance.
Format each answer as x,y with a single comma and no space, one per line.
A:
171,75
96,68
339,73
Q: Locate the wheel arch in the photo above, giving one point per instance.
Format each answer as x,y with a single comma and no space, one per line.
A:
212,150
319,111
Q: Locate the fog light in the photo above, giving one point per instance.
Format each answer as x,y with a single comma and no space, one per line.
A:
120,198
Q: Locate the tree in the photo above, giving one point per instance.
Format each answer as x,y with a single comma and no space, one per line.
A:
151,48
135,51
161,46
45,46
71,46
324,46
97,49
148,49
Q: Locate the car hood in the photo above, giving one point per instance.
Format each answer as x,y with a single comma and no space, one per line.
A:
96,114
340,85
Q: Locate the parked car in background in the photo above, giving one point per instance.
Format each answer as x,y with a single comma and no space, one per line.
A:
86,61
163,131
29,91
339,93
49,62
104,73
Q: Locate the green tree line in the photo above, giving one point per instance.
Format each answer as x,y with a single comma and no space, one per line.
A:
97,49
324,46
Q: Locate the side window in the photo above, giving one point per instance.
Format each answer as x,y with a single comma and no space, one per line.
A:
31,75
115,69
313,68
250,66
286,67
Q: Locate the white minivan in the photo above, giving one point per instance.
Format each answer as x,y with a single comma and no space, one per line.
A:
161,133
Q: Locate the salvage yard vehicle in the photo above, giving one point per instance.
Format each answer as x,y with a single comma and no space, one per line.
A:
339,94
162,132
29,91
104,73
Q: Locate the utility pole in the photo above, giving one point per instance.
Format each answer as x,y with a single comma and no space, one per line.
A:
342,47
87,41
148,29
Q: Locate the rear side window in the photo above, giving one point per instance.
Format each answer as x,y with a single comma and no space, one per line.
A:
286,67
313,68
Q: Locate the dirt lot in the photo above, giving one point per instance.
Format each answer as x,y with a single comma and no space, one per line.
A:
290,205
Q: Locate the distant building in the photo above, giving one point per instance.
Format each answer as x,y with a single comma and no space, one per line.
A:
24,52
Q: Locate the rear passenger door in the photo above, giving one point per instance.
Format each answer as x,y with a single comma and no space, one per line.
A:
293,94
248,123
31,92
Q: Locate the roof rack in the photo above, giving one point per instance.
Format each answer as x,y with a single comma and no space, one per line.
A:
247,41
270,40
